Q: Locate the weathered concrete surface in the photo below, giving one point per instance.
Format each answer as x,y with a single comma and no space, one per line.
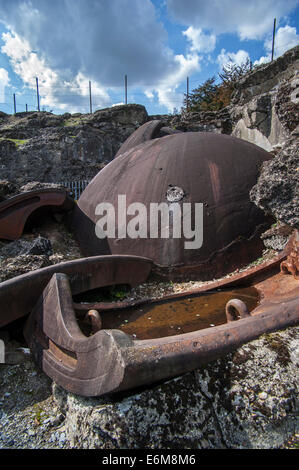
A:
53,148
277,188
50,243
277,236
219,122
28,416
245,400
264,107
9,189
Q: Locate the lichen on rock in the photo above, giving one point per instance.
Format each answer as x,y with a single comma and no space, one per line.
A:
244,400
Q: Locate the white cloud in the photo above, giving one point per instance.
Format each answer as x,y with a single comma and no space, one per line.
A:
263,60
249,19
149,94
104,39
167,89
25,62
100,96
285,39
4,81
68,43
55,90
237,58
200,42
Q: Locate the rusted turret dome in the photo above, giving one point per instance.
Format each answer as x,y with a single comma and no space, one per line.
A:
213,169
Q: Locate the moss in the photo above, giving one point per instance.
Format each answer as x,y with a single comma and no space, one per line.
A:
283,355
279,347
263,409
241,357
118,294
39,414
17,142
71,122
104,294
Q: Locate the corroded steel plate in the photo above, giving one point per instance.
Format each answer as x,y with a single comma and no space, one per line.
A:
19,294
147,131
213,169
111,360
15,211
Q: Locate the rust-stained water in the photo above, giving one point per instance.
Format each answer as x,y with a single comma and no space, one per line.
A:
174,317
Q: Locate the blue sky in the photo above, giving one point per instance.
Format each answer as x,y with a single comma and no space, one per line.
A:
157,43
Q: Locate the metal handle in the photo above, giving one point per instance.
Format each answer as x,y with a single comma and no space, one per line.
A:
235,308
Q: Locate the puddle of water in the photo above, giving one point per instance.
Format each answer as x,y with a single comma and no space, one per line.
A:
174,317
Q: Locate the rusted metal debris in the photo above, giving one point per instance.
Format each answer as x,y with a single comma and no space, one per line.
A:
14,212
111,360
291,264
19,294
236,308
148,131
213,169
95,319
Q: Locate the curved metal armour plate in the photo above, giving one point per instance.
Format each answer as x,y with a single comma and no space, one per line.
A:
15,211
213,169
147,131
19,294
111,360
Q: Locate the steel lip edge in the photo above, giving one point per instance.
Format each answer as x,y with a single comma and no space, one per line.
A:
110,360
19,294
149,361
39,278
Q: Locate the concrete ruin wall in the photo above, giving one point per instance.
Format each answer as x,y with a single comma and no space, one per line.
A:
54,148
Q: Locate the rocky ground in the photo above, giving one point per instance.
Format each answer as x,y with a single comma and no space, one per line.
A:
51,243
245,400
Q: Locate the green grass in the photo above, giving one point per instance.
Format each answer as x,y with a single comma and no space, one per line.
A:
71,122
17,142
